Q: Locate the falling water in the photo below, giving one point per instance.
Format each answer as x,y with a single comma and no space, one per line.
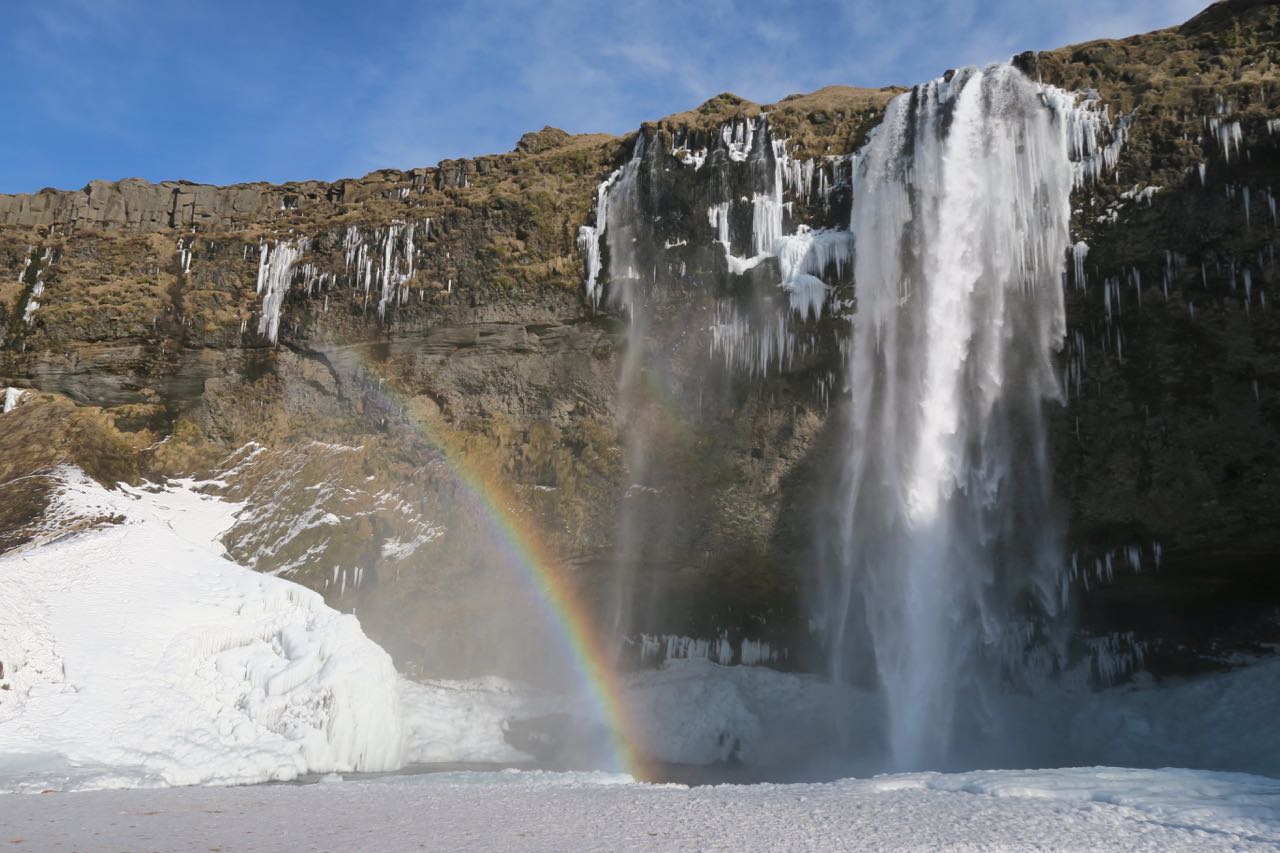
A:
946,546
626,294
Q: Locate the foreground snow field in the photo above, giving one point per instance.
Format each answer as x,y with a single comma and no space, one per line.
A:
1086,809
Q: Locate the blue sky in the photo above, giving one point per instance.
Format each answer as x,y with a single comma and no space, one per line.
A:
240,90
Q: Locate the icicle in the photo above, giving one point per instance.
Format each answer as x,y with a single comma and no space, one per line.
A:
275,267
589,236
1079,252
1227,134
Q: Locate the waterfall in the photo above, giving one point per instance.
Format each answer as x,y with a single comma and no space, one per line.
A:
940,572
618,226
944,551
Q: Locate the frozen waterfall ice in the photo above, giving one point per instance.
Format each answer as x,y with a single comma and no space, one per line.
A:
944,550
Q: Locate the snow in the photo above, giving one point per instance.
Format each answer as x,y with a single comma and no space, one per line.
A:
136,655
283,527
1077,809
221,675
1220,721
690,711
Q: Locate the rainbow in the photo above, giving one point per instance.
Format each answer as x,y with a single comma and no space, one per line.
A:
584,646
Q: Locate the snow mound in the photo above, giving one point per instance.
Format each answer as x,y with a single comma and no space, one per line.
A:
135,654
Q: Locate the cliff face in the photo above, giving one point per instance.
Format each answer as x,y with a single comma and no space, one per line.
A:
1171,437
368,363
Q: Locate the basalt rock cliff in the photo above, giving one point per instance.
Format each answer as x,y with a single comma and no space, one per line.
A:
367,363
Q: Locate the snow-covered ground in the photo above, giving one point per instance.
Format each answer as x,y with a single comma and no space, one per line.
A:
1086,809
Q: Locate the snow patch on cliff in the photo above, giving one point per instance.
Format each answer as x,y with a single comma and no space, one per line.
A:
136,655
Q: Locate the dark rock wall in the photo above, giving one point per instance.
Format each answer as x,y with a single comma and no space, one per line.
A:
1171,442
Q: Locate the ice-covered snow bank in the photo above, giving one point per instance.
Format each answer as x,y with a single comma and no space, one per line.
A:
697,712
135,654
688,712
1084,809
1218,721
463,721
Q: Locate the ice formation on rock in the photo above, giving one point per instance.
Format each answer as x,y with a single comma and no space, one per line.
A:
660,648
751,345
1079,252
12,396
37,287
804,257
589,236
275,269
